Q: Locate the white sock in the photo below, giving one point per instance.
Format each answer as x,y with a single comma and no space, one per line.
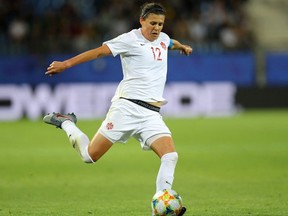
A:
165,175
78,139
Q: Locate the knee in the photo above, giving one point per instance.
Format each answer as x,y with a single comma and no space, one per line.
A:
172,156
85,156
92,157
88,160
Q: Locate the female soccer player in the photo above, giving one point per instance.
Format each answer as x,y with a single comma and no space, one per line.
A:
135,107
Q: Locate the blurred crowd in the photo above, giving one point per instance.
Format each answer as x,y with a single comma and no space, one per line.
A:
68,26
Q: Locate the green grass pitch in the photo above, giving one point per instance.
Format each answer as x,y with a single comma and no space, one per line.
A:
227,166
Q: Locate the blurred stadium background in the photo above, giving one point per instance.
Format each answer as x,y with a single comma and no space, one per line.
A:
239,61
235,164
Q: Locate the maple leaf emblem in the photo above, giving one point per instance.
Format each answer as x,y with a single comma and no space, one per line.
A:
109,126
163,45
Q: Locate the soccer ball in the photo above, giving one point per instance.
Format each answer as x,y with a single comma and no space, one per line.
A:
166,203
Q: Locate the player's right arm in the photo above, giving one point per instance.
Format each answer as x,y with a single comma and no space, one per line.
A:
58,66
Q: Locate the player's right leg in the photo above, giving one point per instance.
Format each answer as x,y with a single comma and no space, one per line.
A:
98,146
88,151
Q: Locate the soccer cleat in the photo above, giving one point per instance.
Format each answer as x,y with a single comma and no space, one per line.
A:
57,119
182,212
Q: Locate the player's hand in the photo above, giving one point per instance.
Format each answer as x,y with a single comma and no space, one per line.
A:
186,50
56,67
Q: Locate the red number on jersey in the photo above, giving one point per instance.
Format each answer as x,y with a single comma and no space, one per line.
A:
156,53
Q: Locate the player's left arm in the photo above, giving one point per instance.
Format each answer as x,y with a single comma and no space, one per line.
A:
176,45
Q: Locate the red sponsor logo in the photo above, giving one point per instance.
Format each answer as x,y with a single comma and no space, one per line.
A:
109,126
163,45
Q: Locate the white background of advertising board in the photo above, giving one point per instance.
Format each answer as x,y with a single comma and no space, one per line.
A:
91,100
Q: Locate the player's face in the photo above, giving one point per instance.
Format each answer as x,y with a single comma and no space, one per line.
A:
152,25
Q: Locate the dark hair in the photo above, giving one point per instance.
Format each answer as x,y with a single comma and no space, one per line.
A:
155,8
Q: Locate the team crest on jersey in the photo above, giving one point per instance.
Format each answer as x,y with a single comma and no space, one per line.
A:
109,126
163,45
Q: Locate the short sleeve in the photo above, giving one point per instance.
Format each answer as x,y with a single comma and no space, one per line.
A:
119,45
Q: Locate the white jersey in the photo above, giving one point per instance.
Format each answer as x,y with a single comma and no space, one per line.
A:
144,65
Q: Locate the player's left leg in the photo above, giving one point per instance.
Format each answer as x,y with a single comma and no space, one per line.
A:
164,147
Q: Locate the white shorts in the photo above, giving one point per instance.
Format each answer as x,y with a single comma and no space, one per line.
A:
125,119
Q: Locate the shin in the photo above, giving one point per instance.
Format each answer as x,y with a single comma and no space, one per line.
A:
165,175
78,139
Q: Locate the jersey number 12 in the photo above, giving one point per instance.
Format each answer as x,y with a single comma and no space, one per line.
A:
156,53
